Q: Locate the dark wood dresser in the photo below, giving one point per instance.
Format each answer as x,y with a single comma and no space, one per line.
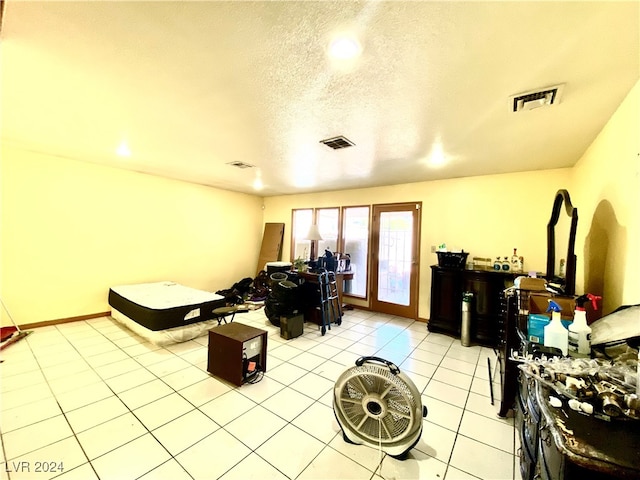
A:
559,443
448,285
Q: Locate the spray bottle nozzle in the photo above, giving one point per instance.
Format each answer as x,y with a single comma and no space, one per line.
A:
553,306
589,297
594,300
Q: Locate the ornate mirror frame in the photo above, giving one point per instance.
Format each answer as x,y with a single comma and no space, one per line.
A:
562,196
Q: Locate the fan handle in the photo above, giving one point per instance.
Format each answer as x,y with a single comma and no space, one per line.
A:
392,366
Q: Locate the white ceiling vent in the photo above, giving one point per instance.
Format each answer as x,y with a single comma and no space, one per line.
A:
240,165
338,142
543,97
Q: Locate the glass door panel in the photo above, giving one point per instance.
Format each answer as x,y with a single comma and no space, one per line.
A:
394,270
395,257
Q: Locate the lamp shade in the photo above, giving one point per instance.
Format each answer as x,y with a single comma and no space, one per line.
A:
314,233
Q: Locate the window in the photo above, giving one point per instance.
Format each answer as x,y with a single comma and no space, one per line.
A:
344,230
300,246
355,232
328,225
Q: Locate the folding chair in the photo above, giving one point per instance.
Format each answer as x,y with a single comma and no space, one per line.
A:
221,313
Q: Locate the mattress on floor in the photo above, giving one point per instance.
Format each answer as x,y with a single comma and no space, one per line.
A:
167,336
163,305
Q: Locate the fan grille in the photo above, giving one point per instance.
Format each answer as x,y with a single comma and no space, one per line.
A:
377,404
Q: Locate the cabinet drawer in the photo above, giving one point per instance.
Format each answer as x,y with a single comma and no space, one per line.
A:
530,434
519,414
532,403
527,465
523,384
551,460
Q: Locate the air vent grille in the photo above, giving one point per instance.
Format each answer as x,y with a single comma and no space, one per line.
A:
536,98
338,142
240,165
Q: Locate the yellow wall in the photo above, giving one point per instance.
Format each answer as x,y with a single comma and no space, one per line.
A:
606,190
63,245
486,216
71,229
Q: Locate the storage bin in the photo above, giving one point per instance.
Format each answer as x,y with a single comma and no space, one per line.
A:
452,259
291,326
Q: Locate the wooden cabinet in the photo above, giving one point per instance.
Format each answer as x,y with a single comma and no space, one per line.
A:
559,443
232,347
447,287
446,301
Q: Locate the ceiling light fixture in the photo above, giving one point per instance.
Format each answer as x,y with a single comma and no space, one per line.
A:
257,184
344,47
437,157
123,150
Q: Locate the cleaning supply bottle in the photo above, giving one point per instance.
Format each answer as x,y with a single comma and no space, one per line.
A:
505,264
555,335
579,331
515,261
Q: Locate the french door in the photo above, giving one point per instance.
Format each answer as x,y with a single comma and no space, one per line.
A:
395,240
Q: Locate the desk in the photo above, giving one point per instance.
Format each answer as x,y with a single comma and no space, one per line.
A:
311,313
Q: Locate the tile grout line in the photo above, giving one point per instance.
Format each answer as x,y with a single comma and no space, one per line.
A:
126,406
307,371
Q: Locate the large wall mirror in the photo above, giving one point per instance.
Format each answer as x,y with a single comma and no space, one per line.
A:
561,239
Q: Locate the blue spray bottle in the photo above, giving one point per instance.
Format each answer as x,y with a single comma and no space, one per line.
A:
555,335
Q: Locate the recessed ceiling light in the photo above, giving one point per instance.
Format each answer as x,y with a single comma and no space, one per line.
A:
437,157
344,48
123,150
257,184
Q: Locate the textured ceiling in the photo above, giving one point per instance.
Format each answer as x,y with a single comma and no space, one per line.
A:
192,86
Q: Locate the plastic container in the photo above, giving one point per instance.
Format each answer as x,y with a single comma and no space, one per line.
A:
506,266
579,335
555,335
452,259
579,331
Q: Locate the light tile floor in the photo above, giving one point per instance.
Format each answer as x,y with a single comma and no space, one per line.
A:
92,400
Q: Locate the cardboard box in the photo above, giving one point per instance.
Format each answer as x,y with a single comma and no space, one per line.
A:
539,302
533,284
